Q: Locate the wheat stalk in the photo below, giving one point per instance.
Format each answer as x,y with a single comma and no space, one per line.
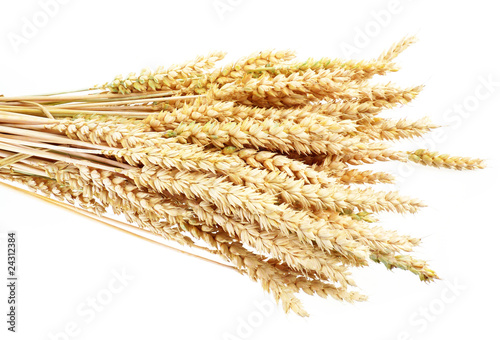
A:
254,162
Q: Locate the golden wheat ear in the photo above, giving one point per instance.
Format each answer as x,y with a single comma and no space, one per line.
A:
257,162
397,48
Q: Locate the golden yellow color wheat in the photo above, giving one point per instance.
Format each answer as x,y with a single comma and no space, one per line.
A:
254,161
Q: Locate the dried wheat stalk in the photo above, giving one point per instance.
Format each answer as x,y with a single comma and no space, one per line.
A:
252,161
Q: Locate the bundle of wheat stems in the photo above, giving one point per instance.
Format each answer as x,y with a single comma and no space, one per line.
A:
254,161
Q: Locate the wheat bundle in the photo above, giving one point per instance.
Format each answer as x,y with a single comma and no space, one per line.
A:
254,162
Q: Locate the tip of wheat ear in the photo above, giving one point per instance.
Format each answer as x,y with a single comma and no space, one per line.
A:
437,160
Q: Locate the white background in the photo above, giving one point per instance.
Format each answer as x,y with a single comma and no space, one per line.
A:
65,259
